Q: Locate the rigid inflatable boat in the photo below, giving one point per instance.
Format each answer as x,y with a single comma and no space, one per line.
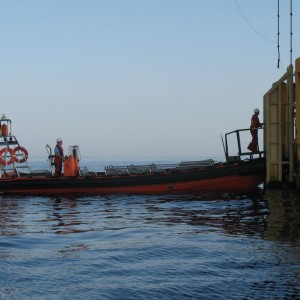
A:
241,172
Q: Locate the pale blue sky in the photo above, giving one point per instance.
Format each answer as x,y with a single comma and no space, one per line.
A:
151,78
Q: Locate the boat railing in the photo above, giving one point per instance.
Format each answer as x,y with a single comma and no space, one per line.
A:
241,153
156,168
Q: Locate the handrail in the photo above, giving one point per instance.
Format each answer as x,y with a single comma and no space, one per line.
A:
240,152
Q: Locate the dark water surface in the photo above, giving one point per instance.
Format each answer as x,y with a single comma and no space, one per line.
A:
151,247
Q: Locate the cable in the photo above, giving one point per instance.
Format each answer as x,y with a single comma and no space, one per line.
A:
291,31
252,27
278,34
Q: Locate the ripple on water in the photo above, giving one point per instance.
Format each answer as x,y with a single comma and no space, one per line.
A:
146,247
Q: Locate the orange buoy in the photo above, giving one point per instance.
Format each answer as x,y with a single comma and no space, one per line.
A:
6,156
20,154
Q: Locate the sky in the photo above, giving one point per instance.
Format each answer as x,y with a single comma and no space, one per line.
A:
139,78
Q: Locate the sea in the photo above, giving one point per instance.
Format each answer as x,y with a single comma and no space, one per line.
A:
208,246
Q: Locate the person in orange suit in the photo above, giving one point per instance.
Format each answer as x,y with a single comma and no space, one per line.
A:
255,124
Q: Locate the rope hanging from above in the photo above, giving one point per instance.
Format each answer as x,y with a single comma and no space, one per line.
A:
278,34
291,31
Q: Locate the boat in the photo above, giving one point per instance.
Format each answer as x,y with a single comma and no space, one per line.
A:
238,173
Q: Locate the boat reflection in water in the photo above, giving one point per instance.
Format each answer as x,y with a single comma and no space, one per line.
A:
236,214
271,214
231,213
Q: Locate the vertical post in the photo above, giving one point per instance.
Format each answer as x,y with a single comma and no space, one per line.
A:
226,148
290,128
239,142
297,100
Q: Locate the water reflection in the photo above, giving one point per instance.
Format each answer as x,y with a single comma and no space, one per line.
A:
283,223
172,246
66,217
10,216
234,214
272,214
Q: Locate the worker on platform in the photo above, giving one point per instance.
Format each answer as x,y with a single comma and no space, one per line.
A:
59,157
255,124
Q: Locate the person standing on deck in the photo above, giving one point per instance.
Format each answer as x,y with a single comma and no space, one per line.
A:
59,157
255,124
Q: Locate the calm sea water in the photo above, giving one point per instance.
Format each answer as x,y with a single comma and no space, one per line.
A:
225,246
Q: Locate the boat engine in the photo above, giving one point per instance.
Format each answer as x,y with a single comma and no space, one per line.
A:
71,163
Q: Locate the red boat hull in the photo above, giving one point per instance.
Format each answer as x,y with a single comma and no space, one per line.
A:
221,179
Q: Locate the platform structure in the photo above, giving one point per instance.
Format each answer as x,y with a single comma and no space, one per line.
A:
282,128
279,138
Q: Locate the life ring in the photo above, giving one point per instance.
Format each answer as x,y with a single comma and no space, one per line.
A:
6,156
20,152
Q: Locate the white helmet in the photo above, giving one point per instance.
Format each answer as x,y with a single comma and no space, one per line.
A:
256,110
58,140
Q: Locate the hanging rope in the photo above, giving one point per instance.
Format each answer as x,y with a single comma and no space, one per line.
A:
278,34
252,27
291,31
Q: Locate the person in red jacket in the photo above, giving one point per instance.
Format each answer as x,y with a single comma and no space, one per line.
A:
255,124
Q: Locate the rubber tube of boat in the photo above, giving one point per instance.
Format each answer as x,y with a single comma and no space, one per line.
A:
71,166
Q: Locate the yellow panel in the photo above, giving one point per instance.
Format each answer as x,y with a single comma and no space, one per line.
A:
278,118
